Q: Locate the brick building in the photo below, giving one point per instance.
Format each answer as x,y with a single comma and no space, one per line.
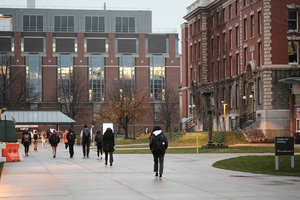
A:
46,47
247,50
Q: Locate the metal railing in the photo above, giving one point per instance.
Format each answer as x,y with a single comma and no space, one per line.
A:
185,125
240,121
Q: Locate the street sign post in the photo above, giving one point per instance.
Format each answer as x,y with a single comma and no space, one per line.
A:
284,146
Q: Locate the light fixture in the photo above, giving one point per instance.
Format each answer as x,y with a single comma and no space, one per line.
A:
250,96
244,97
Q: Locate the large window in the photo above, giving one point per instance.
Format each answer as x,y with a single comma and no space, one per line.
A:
127,71
293,51
96,79
94,24
64,23
32,23
64,76
157,79
293,20
259,22
125,25
33,79
245,29
252,26
237,36
259,95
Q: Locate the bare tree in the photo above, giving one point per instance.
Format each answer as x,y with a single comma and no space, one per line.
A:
123,104
15,90
72,94
169,108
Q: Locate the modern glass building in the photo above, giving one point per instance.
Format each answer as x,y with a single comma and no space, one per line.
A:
46,47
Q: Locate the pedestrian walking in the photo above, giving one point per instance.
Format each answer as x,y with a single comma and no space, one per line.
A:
158,144
43,137
35,140
108,145
26,141
54,140
48,133
85,136
71,136
99,140
65,140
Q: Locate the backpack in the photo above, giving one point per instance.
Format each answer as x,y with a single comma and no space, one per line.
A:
86,134
26,138
158,143
35,136
71,136
54,139
98,138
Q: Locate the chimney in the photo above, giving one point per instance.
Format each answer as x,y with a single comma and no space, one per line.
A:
30,3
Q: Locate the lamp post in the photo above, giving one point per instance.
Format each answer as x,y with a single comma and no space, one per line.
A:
224,106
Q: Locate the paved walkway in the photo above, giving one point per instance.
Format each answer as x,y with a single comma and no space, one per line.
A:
191,176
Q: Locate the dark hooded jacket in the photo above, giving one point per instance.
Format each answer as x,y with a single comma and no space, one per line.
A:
109,139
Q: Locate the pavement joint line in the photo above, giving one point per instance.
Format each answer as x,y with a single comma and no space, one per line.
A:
57,180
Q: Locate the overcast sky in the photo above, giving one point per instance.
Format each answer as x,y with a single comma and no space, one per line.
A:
166,14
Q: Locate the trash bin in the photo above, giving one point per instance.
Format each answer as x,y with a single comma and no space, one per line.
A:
297,138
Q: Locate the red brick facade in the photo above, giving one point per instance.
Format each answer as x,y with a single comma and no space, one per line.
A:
241,49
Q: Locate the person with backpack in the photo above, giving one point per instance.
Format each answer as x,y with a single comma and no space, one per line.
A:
98,139
85,139
54,140
71,136
35,140
109,145
66,140
158,144
26,141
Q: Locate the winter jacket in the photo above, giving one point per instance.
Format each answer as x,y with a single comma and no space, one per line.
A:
109,139
52,135
69,139
26,143
84,139
158,134
65,137
99,138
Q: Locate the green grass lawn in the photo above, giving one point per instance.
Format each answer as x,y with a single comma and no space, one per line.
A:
261,165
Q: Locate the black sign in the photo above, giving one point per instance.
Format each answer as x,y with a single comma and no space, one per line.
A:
284,146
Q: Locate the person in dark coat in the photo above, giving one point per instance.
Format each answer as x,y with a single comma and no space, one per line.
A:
54,140
99,140
71,136
158,144
26,141
86,138
108,145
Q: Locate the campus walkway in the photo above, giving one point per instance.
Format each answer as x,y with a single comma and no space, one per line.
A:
191,176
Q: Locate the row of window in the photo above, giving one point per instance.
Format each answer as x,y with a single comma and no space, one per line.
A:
93,45
96,77
233,96
66,24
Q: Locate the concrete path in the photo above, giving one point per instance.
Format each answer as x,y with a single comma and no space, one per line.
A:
191,176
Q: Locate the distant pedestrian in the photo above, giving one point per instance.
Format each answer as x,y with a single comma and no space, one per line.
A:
48,133
26,141
35,140
86,140
99,140
66,140
71,136
108,145
158,144
43,137
54,140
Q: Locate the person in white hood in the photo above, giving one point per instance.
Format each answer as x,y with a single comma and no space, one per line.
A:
158,144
